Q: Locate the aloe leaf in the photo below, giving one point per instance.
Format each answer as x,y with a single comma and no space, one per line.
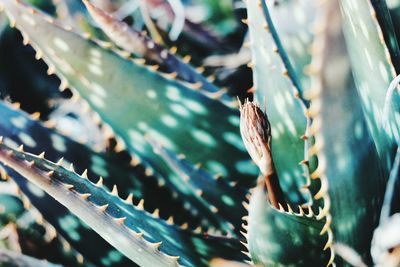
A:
279,91
18,127
187,121
347,156
14,259
278,238
369,54
129,228
18,60
295,40
214,194
11,208
48,243
385,22
138,43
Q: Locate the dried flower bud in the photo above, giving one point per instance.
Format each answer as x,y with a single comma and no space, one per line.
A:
256,134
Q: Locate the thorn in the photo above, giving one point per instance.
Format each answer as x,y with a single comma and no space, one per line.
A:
60,161
21,148
41,155
129,199
103,208
185,226
281,207
156,213
174,258
155,245
100,182
84,174
120,220
186,59
71,167
35,116
303,162
136,234
198,230
173,50
50,173
114,191
304,137
31,163
171,75
85,195
140,205
69,186
170,220
245,21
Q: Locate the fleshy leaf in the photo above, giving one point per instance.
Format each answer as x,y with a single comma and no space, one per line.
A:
11,207
280,93
18,128
129,228
138,43
188,121
284,238
213,193
295,40
369,54
347,156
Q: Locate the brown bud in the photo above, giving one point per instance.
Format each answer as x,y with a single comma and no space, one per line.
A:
256,134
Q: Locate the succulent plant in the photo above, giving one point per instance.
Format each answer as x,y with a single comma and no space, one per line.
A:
144,158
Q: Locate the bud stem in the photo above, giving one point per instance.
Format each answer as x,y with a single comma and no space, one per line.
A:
275,193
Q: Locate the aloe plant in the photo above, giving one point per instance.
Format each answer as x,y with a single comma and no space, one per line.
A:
158,165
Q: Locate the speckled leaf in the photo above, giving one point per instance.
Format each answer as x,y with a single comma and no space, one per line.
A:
347,155
127,227
11,207
285,111
18,128
48,244
296,40
188,121
141,45
369,54
385,22
213,194
277,238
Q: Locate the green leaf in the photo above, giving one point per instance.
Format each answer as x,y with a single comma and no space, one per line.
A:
274,84
212,193
369,54
349,167
11,208
279,238
188,119
293,21
129,228
141,45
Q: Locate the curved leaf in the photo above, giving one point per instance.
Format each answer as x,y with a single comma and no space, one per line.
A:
279,91
129,228
95,72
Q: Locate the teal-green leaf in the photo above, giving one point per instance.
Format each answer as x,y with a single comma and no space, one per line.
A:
130,229
285,110
278,238
370,55
349,168
184,120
